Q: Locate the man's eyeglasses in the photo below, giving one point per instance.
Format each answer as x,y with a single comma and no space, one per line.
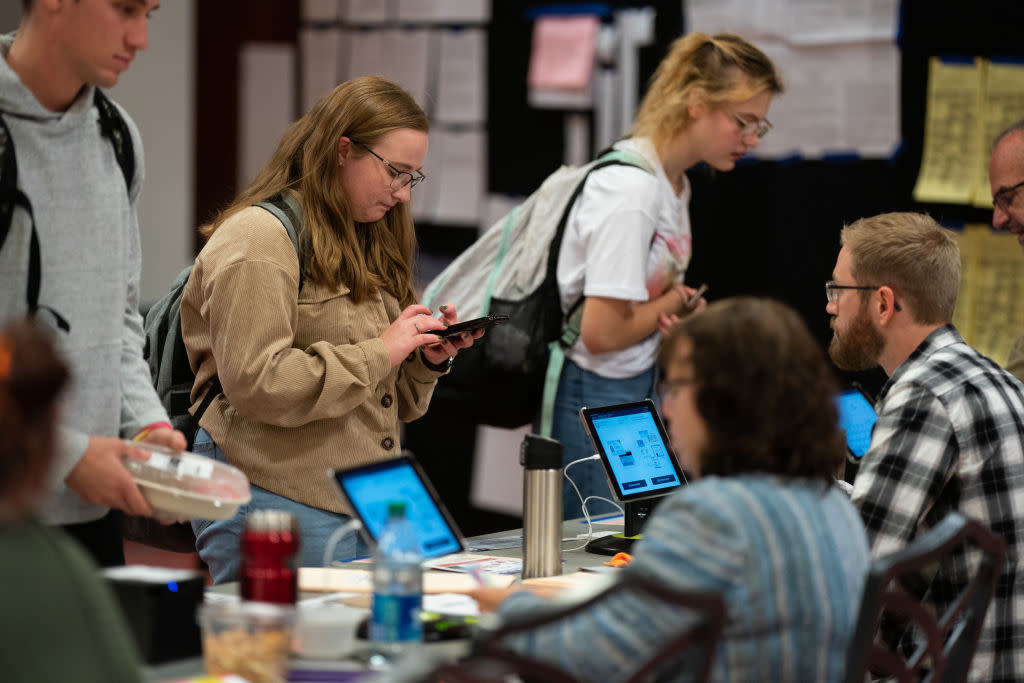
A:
667,388
399,179
748,127
1003,199
832,291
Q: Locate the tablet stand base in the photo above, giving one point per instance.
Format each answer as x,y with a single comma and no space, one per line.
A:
611,545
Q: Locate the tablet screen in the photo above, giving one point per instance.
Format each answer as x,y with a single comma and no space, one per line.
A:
856,418
633,447
369,489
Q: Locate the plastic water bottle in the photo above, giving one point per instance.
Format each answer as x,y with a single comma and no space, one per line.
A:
395,624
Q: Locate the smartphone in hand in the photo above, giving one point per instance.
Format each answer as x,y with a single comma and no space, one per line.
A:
692,301
470,325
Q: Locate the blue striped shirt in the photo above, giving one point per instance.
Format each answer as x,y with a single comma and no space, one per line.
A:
789,557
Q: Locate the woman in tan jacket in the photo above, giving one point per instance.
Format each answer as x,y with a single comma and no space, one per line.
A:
321,380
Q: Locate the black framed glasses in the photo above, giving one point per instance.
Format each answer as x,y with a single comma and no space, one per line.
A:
832,289
1003,199
399,179
748,127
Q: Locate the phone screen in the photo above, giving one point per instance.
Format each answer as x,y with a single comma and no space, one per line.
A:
856,417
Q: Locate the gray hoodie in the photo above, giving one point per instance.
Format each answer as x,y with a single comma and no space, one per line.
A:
89,237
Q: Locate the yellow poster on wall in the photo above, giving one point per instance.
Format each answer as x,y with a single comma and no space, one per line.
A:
969,102
990,306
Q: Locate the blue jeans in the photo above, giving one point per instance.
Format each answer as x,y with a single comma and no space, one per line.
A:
218,540
577,388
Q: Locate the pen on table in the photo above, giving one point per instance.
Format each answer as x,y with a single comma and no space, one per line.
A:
479,576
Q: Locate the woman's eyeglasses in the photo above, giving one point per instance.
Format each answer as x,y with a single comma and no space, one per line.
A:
748,127
399,179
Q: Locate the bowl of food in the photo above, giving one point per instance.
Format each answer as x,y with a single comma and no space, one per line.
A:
181,485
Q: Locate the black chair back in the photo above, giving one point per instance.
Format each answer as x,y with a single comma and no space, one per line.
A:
949,639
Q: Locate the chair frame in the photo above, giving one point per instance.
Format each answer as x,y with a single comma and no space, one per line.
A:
707,631
951,638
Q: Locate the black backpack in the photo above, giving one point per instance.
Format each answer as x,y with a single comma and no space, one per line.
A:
112,127
165,350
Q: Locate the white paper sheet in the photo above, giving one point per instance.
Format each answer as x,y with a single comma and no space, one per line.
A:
444,11
321,57
319,10
414,63
368,52
266,104
457,175
840,98
366,11
461,78
799,22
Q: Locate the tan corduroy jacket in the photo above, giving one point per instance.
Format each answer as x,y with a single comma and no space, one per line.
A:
308,385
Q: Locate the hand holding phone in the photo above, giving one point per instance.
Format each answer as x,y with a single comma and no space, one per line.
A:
470,325
691,303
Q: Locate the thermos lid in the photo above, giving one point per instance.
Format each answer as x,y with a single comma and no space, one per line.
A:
271,520
540,453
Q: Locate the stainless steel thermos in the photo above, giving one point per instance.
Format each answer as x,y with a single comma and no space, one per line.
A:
541,459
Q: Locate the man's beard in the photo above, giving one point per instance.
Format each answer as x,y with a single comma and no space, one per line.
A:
860,346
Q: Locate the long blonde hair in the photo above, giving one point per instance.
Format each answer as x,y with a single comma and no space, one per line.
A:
698,67
336,250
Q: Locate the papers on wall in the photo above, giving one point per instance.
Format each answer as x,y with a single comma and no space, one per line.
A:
1002,103
444,11
798,22
456,178
461,76
266,104
562,52
366,11
838,99
969,102
839,64
321,50
403,55
319,10
952,140
990,306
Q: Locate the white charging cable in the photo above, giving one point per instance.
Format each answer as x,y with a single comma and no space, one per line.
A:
583,501
336,536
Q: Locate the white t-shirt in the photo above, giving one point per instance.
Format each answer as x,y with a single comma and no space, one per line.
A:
628,237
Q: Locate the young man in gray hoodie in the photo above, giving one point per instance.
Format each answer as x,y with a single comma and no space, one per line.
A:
90,254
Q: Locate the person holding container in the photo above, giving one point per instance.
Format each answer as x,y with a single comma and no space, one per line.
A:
318,354
627,242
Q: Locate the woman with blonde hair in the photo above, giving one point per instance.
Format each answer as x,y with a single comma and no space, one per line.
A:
316,359
627,243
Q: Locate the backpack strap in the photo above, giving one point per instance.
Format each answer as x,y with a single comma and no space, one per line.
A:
285,207
114,128
571,324
11,197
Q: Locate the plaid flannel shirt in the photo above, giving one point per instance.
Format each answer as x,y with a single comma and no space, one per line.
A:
950,436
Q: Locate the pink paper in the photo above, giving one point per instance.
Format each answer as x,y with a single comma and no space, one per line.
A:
562,55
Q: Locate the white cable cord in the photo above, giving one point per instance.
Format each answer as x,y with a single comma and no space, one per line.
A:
336,536
583,501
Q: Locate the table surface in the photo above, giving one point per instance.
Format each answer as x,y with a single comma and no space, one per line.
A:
574,558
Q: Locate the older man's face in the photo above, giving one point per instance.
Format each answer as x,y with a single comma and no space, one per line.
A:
1006,179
